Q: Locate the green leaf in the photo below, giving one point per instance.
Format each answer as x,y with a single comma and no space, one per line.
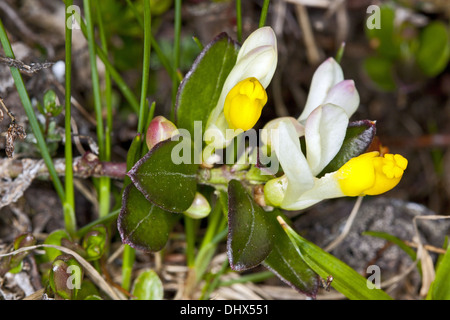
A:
163,181
440,287
345,279
285,262
434,50
200,89
55,238
357,140
141,224
250,236
380,71
148,286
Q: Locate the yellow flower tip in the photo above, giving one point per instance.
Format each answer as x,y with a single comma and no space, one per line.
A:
371,174
244,103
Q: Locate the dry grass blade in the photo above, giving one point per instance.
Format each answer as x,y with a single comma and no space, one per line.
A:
90,270
422,255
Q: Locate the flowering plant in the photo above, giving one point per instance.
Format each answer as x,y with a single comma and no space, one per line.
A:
321,155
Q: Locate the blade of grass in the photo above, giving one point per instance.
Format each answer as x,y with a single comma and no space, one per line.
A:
95,78
155,46
24,98
129,252
105,182
176,55
69,203
146,66
239,20
263,17
345,279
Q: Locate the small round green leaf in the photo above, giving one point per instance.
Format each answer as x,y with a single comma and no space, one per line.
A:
141,224
148,286
165,182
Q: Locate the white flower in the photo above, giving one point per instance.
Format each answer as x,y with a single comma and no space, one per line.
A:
328,86
257,59
323,123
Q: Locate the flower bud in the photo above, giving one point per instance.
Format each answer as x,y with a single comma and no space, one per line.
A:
244,103
24,240
275,190
199,208
94,242
65,277
159,129
371,174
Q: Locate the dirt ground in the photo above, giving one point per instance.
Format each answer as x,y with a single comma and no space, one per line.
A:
412,120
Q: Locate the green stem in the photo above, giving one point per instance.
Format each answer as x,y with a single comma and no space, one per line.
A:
95,78
105,182
263,17
23,94
239,20
176,55
69,203
103,220
155,46
146,66
127,266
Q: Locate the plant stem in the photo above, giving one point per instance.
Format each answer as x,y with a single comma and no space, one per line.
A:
69,203
176,55
263,17
239,20
127,266
103,220
105,182
146,66
155,46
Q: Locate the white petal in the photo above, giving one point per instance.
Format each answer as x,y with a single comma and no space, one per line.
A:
264,36
345,95
325,131
327,75
326,187
293,162
266,131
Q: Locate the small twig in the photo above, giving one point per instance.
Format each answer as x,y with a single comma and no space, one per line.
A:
14,131
347,226
31,68
426,247
85,166
13,119
312,50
